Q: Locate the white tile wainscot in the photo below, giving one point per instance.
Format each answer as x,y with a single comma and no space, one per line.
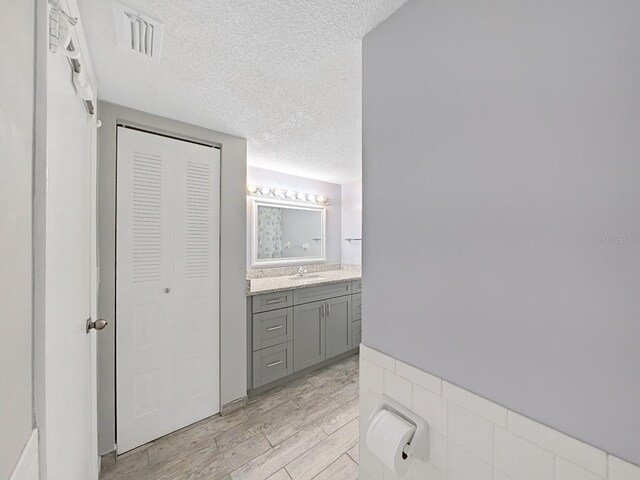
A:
471,437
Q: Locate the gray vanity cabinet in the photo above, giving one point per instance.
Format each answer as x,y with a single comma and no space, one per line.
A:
292,330
338,326
308,341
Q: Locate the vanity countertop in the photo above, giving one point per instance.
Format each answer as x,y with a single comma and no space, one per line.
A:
256,286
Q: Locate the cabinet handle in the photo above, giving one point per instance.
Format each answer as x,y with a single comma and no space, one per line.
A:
274,364
275,300
322,311
328,309
271,329
360,307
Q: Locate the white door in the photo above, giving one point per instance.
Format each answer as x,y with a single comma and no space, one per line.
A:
69,427
167,270
196,283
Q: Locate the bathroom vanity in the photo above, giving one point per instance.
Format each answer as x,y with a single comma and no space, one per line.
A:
297,324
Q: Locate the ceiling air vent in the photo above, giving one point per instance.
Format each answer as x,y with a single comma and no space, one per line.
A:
136,32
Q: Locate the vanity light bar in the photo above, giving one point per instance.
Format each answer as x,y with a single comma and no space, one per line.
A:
291,195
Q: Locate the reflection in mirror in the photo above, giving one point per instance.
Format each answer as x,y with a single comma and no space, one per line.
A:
285,233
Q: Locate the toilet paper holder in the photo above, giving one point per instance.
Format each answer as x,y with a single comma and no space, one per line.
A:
418,447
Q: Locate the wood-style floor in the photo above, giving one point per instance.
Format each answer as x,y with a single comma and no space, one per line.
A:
306,429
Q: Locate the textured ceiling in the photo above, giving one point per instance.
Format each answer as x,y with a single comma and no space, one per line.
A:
286,75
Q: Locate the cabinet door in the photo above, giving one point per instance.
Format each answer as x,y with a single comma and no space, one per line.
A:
338,325
356,332
357,307
308,335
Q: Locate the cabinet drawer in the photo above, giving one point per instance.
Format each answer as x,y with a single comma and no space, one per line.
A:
356,334
273,363
272,328
356,305
356,286
271,301
321,292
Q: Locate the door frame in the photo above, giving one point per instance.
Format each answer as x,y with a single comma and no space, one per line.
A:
232,260
152,131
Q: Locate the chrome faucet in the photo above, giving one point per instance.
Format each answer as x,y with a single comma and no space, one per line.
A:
302,271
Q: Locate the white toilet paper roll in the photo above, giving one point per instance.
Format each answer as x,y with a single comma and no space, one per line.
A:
387,436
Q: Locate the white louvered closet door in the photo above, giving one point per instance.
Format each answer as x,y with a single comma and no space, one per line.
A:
197,237
167,319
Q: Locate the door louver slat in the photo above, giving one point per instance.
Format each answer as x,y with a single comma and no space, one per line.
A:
147,218
198,220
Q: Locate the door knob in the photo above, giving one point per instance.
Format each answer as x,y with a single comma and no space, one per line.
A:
167,290
97,325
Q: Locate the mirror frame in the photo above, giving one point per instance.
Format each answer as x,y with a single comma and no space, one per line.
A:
270,262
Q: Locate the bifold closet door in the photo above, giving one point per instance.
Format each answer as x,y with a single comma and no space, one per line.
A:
196,284
167,273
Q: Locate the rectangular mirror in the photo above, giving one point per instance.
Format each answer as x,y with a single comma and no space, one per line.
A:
286,233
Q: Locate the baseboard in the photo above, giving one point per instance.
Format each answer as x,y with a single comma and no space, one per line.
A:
27,466
234,405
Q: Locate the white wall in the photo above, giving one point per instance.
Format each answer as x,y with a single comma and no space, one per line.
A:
501,183
352,222
269,178
17,23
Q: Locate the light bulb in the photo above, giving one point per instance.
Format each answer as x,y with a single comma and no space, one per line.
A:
321,199
278,193
291,194
252,189
302,196
311,198
265,191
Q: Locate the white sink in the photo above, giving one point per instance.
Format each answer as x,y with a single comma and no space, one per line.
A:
307,277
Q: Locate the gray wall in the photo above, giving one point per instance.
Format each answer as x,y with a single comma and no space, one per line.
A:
233,383
284,181
17,23
502,194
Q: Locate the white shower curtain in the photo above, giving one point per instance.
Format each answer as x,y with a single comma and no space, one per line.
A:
269,232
